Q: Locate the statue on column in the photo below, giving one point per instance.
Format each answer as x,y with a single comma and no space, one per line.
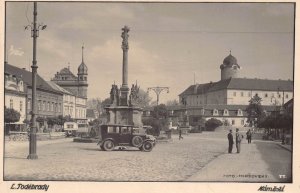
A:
125,37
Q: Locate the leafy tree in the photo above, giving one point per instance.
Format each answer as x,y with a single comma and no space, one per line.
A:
212,124
172,103
254,110
158,120
143,99
11,115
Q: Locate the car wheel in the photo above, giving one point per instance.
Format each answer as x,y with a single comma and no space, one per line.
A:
147,146
108,145
137,141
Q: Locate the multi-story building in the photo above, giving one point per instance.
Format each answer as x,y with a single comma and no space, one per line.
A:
228,98
69,100
49,101
77,86
15,98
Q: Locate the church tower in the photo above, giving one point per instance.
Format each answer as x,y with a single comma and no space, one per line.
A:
229,68
82,78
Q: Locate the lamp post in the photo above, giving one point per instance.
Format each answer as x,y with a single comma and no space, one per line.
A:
157,91
34,34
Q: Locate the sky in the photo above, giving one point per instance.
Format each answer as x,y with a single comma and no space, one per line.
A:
170,44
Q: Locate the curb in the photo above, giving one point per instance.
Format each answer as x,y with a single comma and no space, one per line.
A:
284,147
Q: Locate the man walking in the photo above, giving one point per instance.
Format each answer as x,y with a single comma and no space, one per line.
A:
249,136
230,140
238,139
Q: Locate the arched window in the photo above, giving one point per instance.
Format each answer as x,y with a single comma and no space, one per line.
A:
215,112
225,112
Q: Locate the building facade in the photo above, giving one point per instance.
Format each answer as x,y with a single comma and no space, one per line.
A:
49,101
76,101
228,98
15,98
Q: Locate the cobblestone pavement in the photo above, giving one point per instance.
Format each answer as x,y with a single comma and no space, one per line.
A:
198,157
65,160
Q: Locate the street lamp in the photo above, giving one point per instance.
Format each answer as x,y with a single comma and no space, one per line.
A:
157,91
34,34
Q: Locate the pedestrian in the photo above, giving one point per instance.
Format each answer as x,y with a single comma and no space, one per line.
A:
230,140
238,139
249,136
180,134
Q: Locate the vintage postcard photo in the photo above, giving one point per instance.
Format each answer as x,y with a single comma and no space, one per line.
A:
148,92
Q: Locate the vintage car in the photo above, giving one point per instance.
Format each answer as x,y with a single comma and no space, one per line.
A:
124,135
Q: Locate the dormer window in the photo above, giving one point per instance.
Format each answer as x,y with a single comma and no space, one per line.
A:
225,112
240,112
215,112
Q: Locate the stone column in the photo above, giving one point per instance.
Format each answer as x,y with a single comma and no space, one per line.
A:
124,88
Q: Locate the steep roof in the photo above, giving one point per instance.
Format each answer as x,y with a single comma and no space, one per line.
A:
27,78
58,88
241,84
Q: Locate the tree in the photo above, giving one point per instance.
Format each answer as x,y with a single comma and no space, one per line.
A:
172,103
96,103
11,115
254,110
143,99
212,124
159,119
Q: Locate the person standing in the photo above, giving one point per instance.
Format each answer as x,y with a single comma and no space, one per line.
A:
249,136
230,140
238,139
180,134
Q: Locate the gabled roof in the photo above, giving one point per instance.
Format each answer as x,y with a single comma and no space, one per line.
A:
26,76
241,84
58,88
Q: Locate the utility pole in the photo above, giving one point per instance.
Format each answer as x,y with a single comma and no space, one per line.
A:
34,34
157,91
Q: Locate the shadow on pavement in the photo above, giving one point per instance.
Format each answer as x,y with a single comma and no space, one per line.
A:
278,159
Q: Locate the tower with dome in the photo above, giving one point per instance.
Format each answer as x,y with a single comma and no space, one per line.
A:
228,98
75,91
77,85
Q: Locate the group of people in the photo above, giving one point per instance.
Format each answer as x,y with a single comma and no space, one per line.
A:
238,140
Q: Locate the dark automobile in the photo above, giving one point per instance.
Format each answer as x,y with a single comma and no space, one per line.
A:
125,135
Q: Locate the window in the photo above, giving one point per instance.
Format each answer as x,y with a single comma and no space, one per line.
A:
234,93
21,106
85,78
44,106
232,122
249,94
11,104
29,104
242,122
215,112
39,105
112,129
48,106
279,96
266,95
225,112
242,94
240,113
286,96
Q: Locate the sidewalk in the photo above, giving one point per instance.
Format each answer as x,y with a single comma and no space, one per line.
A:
260,161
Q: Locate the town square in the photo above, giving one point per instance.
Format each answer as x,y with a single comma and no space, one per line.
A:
149,92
